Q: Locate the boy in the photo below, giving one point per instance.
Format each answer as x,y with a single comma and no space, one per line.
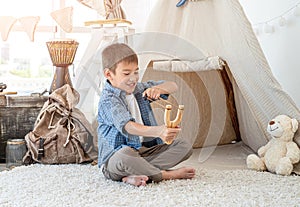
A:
131,145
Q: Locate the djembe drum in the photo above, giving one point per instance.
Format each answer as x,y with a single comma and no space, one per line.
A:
62,53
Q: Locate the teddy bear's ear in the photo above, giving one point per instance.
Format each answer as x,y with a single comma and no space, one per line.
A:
294,125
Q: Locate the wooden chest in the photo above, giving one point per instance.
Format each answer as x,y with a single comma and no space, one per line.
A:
17,117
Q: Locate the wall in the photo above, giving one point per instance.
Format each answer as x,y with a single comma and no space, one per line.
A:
137,12
282,46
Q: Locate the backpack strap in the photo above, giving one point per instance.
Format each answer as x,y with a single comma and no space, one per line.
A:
41,149
70,127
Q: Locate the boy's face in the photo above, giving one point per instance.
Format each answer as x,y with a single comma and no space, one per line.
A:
125,77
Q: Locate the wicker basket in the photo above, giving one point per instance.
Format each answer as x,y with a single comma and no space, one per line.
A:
62,51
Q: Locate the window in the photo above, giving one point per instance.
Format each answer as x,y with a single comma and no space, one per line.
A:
25,65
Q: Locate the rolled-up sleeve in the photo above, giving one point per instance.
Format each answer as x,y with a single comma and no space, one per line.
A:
150,84
144,85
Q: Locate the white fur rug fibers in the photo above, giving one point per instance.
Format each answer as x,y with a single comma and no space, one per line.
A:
84,186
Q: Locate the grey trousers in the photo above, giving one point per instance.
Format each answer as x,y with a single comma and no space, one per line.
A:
146,161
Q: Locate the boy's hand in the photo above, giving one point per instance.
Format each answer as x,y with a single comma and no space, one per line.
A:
152,93
168,134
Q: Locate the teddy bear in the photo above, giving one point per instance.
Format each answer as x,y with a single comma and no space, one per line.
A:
281,152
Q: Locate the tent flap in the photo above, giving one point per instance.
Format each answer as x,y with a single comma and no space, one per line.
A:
209,63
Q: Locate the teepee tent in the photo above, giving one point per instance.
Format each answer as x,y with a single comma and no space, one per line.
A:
210,50
220,28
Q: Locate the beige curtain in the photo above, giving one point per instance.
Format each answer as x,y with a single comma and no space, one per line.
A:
114,10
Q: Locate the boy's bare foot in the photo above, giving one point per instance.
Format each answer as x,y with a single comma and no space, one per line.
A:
181,173
136,180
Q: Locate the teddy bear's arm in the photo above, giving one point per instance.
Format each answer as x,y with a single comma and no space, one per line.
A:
262,150
293,152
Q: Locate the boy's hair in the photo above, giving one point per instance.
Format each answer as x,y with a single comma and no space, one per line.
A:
115,53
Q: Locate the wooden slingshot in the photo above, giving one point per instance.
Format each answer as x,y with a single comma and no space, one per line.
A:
176,121
168,108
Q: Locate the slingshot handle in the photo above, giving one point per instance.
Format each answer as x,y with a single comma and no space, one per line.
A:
176,121
167,116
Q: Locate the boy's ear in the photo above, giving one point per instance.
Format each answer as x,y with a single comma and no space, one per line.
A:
107,73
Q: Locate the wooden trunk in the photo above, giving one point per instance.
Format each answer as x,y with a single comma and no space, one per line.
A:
17,117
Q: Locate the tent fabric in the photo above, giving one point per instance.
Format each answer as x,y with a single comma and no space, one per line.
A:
207,121
221,28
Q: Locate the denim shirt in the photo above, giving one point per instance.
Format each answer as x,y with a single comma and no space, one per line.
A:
114,114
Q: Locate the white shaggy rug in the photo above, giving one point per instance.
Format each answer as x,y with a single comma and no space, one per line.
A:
84,186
